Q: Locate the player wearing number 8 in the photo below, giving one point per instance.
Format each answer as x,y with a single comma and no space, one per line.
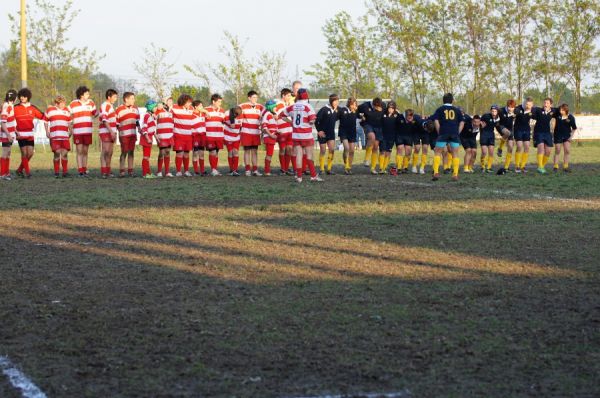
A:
449,121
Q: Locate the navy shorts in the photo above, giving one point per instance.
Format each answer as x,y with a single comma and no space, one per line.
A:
378,133
329,136
386,145
523,135
404,140
24,143
351,137
487,139
543,138
561,139
421,138
469,143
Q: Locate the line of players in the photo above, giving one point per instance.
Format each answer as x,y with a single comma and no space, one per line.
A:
188,127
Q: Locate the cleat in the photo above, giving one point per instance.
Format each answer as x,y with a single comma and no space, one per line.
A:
56,175
159,175
235,174
316,179
366,164
28,176
454,178
330,172
150,177
188,174
179,174
257,174
404,171
436,177
20,174
555,170
524,170
290,173
298,179
215,173
415,170
282,173
67,175
374,172
518,171
267,174
7,177
541,170
422,171
499,152
169,175
567,170
248,173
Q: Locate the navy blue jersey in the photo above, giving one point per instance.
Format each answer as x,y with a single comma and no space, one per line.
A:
363,109
507,118
491,124
543,118
347,121
415,126
374,117
565,126
449,118
468,131
522,119
390,125
326,118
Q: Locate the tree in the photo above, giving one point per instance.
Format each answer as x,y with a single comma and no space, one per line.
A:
156,69
55,67
197,92
350,60
270,73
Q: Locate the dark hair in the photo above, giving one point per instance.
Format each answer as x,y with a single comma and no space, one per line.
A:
215,98
377,102
511,103
548,99
333,98
351,101
476,117
392,105
127,94
233,113
81,90
11,95
528,99
285,91
110,92
565,108
184,99
195,103
409,112
251,93
25,92
448,98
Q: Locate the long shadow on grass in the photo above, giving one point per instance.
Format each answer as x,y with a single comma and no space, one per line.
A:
84,323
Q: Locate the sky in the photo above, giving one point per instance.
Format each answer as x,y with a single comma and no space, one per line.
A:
192,31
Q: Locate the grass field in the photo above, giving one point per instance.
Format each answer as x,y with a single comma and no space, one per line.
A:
259,287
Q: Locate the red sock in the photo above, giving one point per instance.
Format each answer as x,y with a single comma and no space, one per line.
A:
311,167
196,164
282,161
294,161
130,171
3,168
286,162
267,166
159,166
56,165
298,171
145,167
186,164
304,162
214,161
230,161
202,169
178,163
254,168
247,167
85,169
80,170
167,161
20,168
26,166
236,163
122,171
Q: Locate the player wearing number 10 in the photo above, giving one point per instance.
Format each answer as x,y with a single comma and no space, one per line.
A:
449,121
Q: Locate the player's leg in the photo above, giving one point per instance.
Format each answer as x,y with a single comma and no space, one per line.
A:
490,159
374,155
510,146
370,142
557,151
455,160
351,150
269,149
407,157
84,157
437,158
330,155
322,155
254,158
56,161
566,155
416,155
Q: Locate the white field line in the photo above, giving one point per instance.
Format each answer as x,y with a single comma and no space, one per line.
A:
507,193
19,381
399,394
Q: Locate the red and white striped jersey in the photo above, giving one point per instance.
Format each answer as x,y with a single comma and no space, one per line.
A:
183,120
128,118
199,126
232,130
58,122
214,122
303,117
251,115
149,125
269,123
8,117
283,127
164,125
82,115
107,116
25,117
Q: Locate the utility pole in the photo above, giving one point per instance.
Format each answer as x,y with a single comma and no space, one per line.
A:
23,46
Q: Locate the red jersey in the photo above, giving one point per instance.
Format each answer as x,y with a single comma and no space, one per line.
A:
8,118
269,123
303,117
25,114
58,122
149,129
283,127
183,120
199,124
107,116
232,130
82,115
128,118
215,118
251,115
164,125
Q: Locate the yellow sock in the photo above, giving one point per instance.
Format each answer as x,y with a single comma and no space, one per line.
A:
490,162
415,159
368,154
518,157
540,161
566,165
388,159
330,161
382,162
524,159
556,166
322,162
437,160
483,161
423,161
507,160
399,161
406,162
545,160
502,143
374,159
455,166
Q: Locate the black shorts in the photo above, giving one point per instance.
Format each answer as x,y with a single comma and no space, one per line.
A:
329,136
561,139
421,138
378,131
468,142
404,140
523,135
343,135
198,148
543,138
25,143
386,145
247,148
488,139
6,144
